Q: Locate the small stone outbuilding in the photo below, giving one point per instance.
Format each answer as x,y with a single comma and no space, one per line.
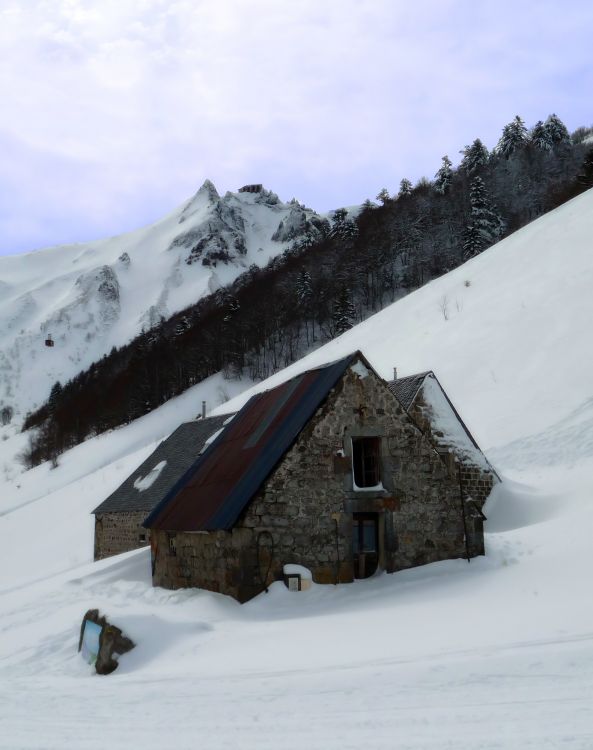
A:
118,520
333,470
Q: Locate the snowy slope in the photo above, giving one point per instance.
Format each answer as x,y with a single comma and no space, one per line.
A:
95,296
494,654
513,350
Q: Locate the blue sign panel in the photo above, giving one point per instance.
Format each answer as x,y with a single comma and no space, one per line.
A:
90,641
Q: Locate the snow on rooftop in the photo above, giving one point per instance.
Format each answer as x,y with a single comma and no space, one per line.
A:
447,428
144,483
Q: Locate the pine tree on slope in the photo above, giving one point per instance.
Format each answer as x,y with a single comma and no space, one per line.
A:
556,129
405,188
342,227
304,289
383,196
485,224
54,396
585,176
540,137
343,312
444,176
514,137
474,157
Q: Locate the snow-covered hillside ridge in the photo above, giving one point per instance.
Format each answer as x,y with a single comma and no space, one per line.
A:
92,297
497,654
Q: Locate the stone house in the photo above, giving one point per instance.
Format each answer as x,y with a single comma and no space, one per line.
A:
118,520
331,471
426,402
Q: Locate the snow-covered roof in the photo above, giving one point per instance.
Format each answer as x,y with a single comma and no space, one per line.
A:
447,428
147,486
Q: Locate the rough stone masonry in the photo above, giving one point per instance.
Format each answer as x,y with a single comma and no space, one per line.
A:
304,511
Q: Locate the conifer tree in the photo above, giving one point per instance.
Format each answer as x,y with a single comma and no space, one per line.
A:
182,325
556,129
405,188
304,295
474,157
485,225
343,228
343,312
514,137
304,288
444,176
540,137
585,176
54,396
383,196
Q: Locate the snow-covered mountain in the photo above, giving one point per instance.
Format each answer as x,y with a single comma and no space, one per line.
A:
91,297
495,654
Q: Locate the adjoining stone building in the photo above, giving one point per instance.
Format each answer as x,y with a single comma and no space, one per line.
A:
331,471
426,402
118,520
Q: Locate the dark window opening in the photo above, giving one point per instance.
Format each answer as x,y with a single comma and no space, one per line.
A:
366,461
172,545
142,538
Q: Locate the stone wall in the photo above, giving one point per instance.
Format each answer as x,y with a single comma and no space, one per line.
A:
473,471
304,511
119,532
476,483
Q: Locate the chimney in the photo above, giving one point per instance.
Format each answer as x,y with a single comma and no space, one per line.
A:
203,410
395,373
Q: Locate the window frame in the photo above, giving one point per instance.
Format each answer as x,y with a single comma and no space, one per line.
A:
360,455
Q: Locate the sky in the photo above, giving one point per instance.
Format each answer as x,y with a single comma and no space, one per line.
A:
115,111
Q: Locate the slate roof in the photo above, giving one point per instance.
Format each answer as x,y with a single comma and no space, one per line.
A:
219,485
179,450
405,389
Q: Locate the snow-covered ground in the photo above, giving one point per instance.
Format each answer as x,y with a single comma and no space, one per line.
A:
493,654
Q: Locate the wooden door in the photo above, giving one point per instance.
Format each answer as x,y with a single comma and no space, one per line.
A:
365,544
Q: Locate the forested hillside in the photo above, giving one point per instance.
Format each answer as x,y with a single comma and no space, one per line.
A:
322,285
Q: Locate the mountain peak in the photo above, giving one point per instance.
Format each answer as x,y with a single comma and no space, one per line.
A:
208,188
207,194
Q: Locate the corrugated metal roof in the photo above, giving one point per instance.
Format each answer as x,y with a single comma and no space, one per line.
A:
179,450
405,389
220,484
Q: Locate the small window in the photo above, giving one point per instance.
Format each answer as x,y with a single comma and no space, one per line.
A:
141,538
366,464
172,545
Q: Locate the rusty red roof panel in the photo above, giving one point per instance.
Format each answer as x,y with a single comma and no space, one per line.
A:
220,484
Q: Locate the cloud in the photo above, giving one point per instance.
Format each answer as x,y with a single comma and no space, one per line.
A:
116,111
